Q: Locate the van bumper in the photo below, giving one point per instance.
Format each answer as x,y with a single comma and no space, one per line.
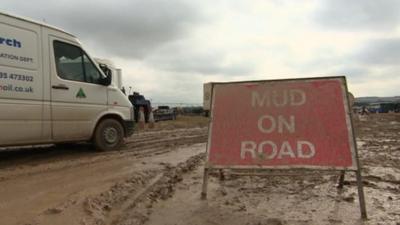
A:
129,126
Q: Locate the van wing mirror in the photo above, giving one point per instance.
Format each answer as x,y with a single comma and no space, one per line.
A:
106,81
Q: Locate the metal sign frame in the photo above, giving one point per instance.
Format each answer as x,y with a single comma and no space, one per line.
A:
355,167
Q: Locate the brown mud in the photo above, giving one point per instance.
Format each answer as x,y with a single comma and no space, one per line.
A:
157,177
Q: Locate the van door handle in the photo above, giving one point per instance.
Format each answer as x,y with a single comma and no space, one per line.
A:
60,87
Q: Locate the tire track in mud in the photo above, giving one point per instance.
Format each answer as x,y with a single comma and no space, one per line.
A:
138,146
130,202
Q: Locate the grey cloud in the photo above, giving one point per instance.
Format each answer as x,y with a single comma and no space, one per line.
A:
323,60
181,89
184,58
379,52
375,60
128,28
376,54
359,14
147,30
355,74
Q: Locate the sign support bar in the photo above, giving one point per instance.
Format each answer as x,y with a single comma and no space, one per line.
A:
205,184
341,180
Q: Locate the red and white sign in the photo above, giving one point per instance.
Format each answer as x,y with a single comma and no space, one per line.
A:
301,123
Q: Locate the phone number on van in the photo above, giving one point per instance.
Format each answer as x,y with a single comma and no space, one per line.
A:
14,76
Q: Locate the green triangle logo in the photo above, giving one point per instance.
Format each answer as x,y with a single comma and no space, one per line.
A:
81,93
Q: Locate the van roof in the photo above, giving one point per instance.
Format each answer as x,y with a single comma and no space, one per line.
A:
36,22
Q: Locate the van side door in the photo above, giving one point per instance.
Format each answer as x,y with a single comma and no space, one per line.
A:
77,96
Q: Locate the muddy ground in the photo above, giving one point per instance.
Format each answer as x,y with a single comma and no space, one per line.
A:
156,179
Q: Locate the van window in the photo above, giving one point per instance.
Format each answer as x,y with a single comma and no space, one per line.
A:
73,64
92,74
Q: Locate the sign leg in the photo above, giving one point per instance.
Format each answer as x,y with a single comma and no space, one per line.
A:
205,184
341,180
221,175
361,194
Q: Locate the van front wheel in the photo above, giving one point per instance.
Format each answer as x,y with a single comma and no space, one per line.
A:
109,135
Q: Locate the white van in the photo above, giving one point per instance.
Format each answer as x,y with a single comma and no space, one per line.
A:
51,91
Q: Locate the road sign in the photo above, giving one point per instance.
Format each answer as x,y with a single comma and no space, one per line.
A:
283,124
301,123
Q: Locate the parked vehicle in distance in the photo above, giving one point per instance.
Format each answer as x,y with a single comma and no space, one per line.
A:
52,91
384,107
164,113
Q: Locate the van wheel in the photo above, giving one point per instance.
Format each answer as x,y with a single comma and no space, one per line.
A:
109,135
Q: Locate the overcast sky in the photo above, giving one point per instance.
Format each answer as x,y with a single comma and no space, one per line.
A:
168,49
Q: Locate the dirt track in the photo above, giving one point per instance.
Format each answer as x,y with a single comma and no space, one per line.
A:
156,179
49,185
